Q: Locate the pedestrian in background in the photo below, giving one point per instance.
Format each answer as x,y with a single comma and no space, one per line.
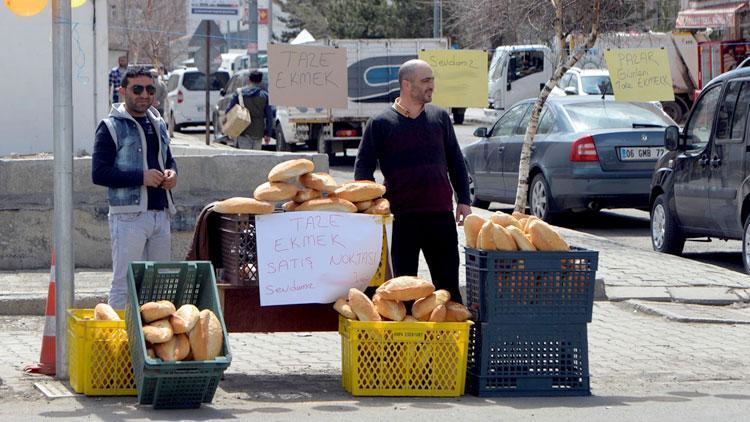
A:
256,102
115,75
416,147
161,92
133,160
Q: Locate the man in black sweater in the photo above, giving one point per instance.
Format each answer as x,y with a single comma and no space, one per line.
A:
418,153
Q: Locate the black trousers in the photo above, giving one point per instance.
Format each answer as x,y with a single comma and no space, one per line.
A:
435,235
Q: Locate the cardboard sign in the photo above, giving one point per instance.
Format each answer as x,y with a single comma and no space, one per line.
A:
316,257
307,76
640,74
460,77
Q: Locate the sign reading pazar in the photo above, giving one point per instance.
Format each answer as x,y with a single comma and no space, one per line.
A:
308,76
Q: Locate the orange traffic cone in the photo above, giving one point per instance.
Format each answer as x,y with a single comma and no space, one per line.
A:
46,363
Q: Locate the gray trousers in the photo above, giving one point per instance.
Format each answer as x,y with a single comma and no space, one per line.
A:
137,236
247,142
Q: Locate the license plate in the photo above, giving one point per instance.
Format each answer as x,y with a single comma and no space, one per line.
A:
641,153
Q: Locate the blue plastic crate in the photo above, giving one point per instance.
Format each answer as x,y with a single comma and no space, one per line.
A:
528,360
531,287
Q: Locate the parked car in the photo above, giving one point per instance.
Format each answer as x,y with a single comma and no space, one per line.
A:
584,82
588,153
238,80
700,187
186,96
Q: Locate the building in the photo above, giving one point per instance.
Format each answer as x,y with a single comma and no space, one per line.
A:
723,20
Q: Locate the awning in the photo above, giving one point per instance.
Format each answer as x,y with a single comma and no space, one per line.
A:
710,17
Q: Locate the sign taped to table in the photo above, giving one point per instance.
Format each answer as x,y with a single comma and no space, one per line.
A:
316,257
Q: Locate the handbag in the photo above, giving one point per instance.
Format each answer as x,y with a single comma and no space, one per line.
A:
238,118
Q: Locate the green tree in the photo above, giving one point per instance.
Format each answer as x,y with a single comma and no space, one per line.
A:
305,14
359,19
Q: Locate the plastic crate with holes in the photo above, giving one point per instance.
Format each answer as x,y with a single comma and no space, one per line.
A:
404,358
528,360
181,384
99,356
531,287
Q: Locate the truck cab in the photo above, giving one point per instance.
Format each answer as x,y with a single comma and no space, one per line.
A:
516,73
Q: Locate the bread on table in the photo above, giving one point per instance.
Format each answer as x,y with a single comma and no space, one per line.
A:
505,220
327,204
486,237
380,206
290,169
207,337
152,311
184,319
342,307
405,288
177,348
391,309
360,191
322,182
158,331
363,205
104,312
438,314
545,238
456,312
503,239
522,241
289,206
472,224
239,205
363,306
424,306
306,194
275,191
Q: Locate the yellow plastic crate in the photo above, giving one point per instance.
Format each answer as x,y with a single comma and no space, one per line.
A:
379,277
404,358
99,355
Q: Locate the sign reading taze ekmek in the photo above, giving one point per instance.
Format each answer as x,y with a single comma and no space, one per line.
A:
309,76
640,74
460,77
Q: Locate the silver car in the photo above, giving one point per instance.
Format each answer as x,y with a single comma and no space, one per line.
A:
589,153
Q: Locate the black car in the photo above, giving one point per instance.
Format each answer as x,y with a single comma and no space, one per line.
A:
700,187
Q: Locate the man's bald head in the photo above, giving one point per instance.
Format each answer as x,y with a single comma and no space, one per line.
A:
416,81
408,70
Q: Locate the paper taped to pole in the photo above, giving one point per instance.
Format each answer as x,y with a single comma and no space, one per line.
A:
460,77
640,74
308,76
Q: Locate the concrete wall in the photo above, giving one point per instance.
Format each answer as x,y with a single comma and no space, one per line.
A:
26,203
26,82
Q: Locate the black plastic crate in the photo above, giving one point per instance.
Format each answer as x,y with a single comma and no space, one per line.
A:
239,250
531,287
528,360
182,384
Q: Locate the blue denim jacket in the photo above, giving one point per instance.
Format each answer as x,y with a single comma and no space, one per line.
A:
130,142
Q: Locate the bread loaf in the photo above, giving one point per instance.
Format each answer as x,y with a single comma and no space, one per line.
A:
184,319
363,205
380,206
322,182
239,205
342,306
177,348
104,312
360,191
519,215
207,337
152,311
522,241
486,237
527,222
327,204
545,238
289,169
472,224
275,192
503,239
405,288
362,306
391,309
438,314
409,318
505,220
289,206
306,194
424,306
158,331
456,312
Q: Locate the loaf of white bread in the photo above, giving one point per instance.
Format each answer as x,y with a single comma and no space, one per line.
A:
503,232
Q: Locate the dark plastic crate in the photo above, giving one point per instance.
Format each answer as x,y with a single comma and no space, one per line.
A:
531,287
239,251
528,360
182,384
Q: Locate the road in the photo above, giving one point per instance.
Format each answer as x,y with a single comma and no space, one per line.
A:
627,226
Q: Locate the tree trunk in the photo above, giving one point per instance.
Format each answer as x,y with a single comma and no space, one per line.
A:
562,67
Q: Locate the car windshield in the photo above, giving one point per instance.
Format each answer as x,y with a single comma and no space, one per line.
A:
614,115
196,81
591,85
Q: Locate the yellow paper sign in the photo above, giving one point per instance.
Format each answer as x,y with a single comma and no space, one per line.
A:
640,74
460,77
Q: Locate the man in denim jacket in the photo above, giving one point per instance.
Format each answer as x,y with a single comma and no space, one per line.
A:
132,158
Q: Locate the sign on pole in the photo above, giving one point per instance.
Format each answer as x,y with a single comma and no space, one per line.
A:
307,76
640,74
460,77
223,10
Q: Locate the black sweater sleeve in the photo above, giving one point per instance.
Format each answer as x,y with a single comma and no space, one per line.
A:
103,170
364,166
456,164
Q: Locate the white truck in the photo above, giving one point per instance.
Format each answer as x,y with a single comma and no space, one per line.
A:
517,72
372,68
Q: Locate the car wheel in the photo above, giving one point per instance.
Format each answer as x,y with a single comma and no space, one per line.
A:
540,199
746,245
476,202
280,140
665,235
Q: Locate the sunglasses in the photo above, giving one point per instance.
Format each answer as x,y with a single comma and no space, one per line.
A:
138,89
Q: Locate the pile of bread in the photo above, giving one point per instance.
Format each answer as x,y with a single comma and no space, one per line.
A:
295,184
175,334
388,303
517,232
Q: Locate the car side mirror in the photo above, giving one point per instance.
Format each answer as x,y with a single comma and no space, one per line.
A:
672,138
222,92
480,132
571,90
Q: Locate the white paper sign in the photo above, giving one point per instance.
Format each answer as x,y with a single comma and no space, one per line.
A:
315,257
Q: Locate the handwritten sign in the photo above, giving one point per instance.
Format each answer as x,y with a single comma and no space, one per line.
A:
460,77
640,74
316,257
307,76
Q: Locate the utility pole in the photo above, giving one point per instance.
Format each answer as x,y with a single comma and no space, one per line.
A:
62,137
252,22
437,19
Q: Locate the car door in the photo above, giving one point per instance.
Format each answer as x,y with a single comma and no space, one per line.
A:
726,165
504,129
512,146
691,168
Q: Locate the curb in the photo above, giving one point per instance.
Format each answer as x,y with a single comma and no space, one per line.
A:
656,310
